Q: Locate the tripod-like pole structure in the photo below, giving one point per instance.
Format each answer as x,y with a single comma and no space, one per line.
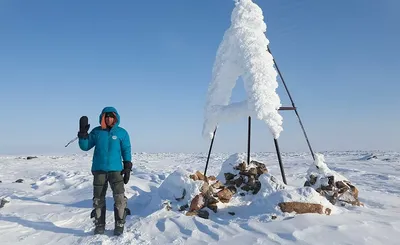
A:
275,140
295,109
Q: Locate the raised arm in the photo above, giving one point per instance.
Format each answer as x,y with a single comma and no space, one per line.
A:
87,143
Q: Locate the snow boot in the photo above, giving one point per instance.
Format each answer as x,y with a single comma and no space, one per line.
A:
120,222
99,222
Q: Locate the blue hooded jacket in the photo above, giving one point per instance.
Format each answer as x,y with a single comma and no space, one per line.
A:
110,145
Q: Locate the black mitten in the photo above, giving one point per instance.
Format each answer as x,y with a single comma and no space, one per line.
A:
126,172
83,127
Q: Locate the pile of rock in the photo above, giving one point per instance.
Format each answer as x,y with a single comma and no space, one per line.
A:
330,184
237,177
341,191
244,177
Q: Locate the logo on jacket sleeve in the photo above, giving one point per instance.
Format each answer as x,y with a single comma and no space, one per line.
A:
114,137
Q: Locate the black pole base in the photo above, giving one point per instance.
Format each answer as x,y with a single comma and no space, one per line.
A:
280,161
209,151
248,141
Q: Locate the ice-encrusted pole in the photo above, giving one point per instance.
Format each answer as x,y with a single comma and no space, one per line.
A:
242,54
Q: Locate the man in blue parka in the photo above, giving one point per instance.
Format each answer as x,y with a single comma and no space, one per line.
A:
111,164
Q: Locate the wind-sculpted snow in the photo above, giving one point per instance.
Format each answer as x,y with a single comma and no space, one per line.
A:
53,203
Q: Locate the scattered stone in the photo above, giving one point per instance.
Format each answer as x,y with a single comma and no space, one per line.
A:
368,157
184,207
229,176
231,213
200,213
312,180
372,157
3,201
218,185
167,205
203,214
226,194
183,196
212,204
212,178
197,203
239,181
274,217
30,157
19,181
197,176
241,167
302,208
191,213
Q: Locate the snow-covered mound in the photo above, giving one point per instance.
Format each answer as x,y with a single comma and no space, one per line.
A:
62,180
178,188
334,186
322,172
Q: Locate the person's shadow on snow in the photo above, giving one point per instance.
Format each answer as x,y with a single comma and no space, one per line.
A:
43,226
88,203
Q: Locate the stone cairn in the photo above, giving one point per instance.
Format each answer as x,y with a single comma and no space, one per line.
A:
341,191
246,181
214,191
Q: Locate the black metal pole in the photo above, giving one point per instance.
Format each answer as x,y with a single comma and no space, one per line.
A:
280,161
248,141
209,151
295,109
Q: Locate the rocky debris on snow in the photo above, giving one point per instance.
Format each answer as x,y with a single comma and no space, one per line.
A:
31,157
242,177
330,184
197,176
302,208
1,181
3,201
19,181
238,185
238,178
201,213
167,205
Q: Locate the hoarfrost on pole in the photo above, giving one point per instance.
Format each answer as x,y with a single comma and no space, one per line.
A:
243,52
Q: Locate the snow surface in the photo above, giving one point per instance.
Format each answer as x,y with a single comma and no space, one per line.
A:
53,203
243,52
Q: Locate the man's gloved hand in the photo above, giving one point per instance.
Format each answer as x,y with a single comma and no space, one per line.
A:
83,127
126,172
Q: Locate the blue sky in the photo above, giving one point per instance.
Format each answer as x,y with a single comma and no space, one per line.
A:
152,60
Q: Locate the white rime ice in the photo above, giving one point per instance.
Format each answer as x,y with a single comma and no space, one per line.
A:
243,52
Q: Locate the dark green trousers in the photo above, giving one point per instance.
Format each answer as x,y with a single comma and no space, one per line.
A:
101,181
